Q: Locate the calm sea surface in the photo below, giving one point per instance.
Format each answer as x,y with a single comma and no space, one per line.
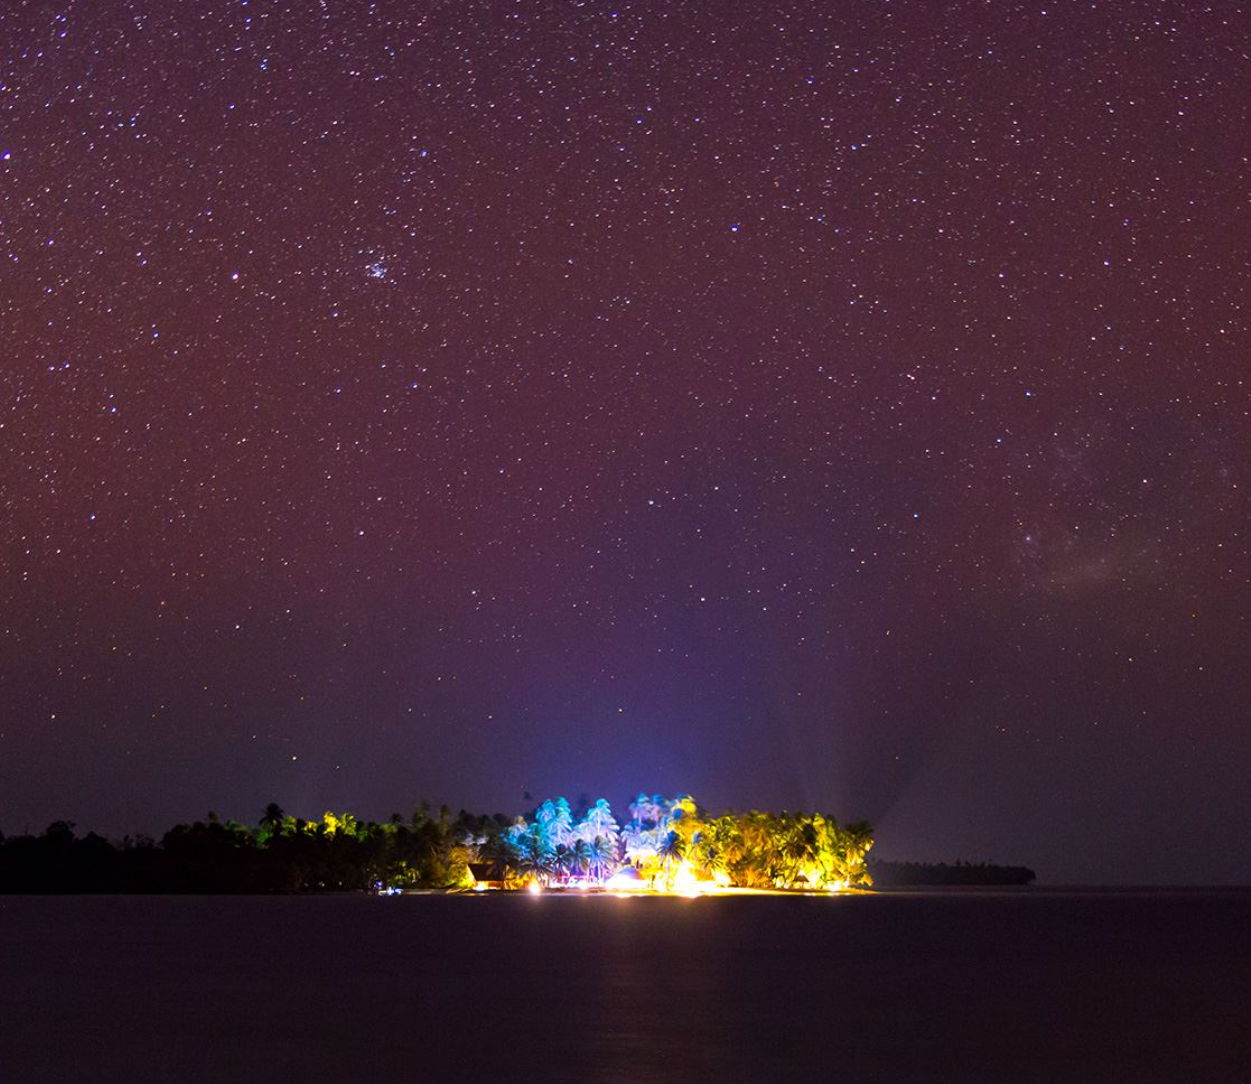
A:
964,986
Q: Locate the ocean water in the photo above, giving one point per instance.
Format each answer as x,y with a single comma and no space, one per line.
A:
903,987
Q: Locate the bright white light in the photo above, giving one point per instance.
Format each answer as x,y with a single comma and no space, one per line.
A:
685,881
624,882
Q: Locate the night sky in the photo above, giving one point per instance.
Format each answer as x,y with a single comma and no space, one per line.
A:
803,405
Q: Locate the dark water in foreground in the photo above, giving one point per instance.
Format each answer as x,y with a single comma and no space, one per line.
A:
1035,986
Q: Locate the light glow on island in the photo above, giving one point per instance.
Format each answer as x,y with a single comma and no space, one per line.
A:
669,847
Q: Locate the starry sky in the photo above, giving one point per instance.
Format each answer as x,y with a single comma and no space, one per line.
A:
802,405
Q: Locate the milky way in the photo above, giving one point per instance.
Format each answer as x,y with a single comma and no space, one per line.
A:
805,405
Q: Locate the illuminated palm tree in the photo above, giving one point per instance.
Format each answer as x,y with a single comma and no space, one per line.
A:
546,813
529,852
557,821
640,843
671,849
604,857
533,865
761,862
600,833
726,839
599,821
647,811
581,852
681,806
706,855
858,839
799,848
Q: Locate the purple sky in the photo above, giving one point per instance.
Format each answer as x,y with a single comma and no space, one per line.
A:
802,405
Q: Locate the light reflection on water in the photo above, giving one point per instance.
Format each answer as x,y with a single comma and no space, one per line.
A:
951,987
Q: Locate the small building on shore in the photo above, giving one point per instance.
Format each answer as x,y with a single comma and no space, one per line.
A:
487,877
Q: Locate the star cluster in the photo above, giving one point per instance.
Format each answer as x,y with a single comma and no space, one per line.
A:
810,405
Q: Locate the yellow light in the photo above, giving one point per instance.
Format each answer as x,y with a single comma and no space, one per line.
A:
535,888
685,881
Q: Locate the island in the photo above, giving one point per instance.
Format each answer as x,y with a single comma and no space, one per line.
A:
662,845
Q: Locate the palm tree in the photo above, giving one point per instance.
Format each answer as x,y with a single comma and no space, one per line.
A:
530,864
671,848
599,831
761,863
604,857
271,820
724,837
858,839
542,851
529,851
556,820
705,853
599,821
799,848
564,861
647,811
581,852
640,843
561,827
